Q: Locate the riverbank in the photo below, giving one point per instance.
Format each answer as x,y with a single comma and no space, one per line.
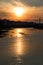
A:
6,24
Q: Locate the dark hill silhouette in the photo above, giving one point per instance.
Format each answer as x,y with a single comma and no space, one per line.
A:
7,24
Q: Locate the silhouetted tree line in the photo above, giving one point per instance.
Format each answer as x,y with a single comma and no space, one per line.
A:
18,24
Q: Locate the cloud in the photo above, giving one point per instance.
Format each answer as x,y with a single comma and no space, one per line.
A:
5,0
17,3
28,2
7,15
6,7
33,2
9,6
6,10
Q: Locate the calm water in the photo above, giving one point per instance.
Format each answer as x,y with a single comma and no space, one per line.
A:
21,46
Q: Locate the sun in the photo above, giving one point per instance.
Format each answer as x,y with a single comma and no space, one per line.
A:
19,11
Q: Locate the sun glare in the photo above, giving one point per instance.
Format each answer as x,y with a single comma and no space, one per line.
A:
19,11
18,31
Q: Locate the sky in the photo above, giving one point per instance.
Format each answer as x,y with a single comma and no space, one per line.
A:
33,9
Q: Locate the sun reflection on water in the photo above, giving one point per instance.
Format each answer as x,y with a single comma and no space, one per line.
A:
18,51
20,46
18,32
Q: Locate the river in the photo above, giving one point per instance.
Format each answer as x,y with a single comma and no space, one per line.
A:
21,46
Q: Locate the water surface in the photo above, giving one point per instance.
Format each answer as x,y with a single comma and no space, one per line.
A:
21,46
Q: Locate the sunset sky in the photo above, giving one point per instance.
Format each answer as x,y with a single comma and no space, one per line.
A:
31,9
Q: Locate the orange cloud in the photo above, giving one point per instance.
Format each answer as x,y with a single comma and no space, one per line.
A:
6,11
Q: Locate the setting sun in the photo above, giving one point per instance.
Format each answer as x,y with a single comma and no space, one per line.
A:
19,11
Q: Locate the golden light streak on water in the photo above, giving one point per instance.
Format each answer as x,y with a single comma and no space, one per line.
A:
18,32
18,48
19,44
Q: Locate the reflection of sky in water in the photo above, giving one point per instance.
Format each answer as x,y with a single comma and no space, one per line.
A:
22,47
